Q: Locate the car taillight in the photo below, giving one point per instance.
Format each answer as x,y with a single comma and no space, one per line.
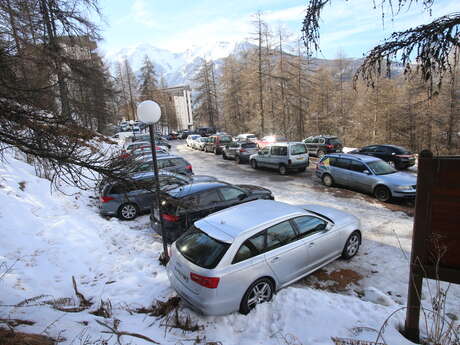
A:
189,167
242,150
170,217
106,198
329,146
207,282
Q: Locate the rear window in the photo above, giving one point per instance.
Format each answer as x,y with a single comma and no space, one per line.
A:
249,145
200,248
298,149
226,139
178,161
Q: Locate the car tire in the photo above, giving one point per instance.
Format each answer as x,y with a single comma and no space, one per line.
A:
237,159
351,246
224,156
382,193
253,164
128,211
260,291
327,180
215,151
282,169
320,154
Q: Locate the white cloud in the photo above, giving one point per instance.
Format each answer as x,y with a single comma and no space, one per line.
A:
141,14
222,29
296,13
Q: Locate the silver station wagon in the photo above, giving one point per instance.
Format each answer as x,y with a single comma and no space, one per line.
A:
237,258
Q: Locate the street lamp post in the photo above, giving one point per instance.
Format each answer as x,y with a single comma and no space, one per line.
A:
149,112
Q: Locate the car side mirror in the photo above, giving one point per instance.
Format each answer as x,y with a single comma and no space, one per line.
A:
367,172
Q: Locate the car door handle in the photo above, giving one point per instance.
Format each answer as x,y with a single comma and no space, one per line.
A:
311,244
275,259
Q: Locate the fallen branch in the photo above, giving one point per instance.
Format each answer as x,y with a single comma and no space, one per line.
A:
83,301
119,334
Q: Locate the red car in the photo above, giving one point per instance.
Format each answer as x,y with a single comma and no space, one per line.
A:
269,139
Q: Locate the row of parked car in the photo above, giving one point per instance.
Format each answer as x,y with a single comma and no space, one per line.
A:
371,169
232,246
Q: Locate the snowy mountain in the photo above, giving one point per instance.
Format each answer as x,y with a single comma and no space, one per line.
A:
176,68
180,68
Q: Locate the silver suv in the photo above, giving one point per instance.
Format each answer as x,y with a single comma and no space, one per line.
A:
366,174
237,258
283,157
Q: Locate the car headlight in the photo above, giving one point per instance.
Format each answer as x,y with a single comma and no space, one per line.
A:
402,188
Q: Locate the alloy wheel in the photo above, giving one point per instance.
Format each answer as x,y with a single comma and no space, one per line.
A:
352,245
260,293
128,211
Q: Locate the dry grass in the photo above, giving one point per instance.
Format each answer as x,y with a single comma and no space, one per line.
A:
8,337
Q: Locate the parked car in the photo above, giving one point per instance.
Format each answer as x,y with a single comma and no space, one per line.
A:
322,144
126,200
206,131
168,162
255,249
216,143
246,137
366,174
146,138
270,139
398,157
172,136
283,157
191,138
185,133
146,152
239,151
136,145
184,205
199,143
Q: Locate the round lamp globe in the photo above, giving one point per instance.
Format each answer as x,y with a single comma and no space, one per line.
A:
148,112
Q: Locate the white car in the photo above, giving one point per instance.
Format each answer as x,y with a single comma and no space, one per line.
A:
191,138
198,144
239,257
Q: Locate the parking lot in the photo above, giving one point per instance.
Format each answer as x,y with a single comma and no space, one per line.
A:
382,262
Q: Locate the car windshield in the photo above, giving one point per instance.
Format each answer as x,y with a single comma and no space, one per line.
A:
298,149
402,151
335,141
381,168
200,248
249,145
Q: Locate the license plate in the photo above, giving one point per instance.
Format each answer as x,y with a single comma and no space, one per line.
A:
300,158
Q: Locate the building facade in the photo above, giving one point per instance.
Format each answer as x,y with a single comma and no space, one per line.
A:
182,99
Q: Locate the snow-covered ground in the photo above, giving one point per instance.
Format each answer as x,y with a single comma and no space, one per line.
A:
48,237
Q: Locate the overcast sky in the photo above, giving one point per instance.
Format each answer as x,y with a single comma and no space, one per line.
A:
352,27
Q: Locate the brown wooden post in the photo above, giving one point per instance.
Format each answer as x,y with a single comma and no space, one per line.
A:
418,253
411,327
